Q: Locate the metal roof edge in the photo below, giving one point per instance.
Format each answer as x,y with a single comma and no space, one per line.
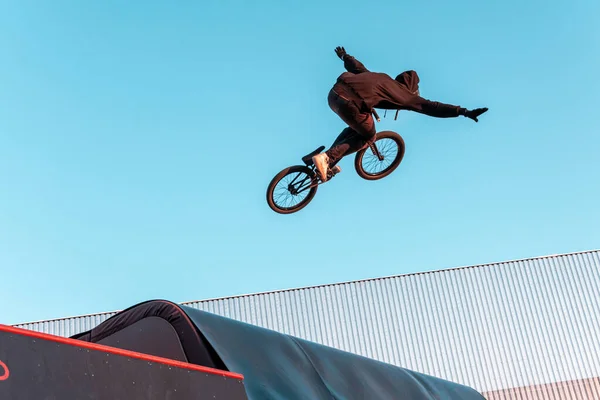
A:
394,276
43,321
330,284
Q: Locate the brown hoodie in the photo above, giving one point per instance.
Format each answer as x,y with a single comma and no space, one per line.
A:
379,90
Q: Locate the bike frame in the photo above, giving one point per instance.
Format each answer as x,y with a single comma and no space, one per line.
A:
295,191
312,179
308,162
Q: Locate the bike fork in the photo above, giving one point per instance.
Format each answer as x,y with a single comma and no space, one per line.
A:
376,151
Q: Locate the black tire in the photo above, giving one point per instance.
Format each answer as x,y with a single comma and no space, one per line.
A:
310,187
360,155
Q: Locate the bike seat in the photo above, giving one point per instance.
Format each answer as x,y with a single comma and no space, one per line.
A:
307,159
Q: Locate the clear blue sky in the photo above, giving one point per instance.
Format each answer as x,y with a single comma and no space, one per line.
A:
137,140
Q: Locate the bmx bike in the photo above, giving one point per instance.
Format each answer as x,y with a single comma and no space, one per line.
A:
301,181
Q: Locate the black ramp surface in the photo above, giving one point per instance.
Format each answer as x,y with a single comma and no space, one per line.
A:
281,367
275,366
156,327
39,368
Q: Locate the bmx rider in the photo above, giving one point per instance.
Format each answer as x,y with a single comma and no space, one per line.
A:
358,91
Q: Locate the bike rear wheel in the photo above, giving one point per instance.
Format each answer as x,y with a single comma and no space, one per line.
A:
381,158
293,183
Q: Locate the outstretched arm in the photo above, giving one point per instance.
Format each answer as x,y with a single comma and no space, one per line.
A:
442,110
350,63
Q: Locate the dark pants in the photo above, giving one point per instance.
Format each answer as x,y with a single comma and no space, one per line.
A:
360,131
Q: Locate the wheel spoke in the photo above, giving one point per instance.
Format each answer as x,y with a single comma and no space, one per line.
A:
388,148
299,182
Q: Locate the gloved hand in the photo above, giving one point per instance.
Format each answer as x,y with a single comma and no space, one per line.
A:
341,52
473,114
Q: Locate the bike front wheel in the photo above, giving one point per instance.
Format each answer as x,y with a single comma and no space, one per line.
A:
381,158
292,189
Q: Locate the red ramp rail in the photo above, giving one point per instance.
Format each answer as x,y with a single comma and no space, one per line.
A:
35,365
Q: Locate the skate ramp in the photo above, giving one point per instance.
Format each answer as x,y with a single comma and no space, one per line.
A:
274,365
39,366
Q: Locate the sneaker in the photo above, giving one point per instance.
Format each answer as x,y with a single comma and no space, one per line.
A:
321,161
336,170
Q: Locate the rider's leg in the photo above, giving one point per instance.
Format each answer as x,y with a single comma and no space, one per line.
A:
345,135
360,131
348,142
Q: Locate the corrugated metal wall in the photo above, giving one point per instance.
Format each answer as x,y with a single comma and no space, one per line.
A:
492,327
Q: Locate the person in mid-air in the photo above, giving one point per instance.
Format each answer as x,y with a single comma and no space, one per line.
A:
358,91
